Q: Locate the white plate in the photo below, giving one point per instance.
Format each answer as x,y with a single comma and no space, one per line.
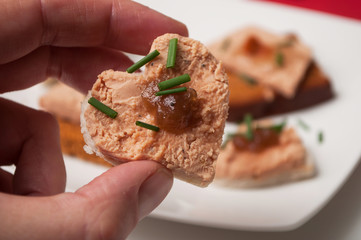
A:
336,44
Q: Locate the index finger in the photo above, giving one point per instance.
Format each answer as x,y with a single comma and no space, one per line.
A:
120,24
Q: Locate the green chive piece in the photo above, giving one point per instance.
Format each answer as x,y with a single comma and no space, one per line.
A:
172,52
101,107
278,127
320,137
303,125
174,82
248,121
248,79
170,91
146,125
143,61
279,58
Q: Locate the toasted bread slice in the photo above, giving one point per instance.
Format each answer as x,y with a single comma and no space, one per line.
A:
259,101
283,162
190,152
72,142
263,85
65,104
277,61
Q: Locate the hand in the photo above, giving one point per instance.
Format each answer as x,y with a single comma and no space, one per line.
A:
72,41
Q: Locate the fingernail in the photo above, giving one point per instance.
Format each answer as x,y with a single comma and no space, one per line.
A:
154,190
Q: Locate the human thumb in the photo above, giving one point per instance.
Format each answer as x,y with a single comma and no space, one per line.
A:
119,198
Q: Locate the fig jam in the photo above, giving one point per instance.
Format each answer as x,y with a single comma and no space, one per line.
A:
257,51
262,138
174,112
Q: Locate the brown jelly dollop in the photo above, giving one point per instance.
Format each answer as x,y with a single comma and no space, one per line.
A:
263,138
174,112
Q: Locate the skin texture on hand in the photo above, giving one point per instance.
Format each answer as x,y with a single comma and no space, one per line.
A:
107,208
72,40
45,32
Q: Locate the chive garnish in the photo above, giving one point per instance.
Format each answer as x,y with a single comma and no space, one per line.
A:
248,121
278,127
146,125
279,58
101,107
174,82
320,137
248,79
143,61
170,91
172,52
249,134
303,125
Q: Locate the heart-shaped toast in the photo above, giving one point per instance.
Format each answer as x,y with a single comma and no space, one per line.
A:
186,127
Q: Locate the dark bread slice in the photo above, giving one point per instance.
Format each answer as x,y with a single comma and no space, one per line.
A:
254,99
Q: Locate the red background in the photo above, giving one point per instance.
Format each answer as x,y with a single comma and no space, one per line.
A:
346,8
